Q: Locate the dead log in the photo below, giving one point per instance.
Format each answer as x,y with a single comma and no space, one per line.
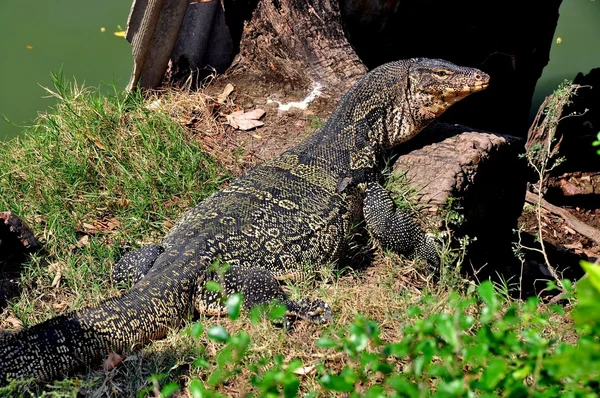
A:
579,226
483,174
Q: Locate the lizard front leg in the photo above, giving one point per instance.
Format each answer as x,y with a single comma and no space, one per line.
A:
395,229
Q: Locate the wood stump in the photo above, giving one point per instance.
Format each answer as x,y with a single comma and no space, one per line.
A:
481,171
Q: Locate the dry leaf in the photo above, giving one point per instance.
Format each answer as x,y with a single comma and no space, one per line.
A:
89,228
113,361
168,224
245,120
57,268
123,203
84,241
15,323
59,306
99,145
96,226
576,245
120,33
305,370
154,105
223,96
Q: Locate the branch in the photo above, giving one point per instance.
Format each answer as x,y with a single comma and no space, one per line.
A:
579,226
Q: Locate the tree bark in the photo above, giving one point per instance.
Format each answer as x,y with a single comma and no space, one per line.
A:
304,41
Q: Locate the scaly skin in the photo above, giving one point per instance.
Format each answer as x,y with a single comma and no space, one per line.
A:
287,217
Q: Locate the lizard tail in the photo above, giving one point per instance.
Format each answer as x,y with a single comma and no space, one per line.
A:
61,345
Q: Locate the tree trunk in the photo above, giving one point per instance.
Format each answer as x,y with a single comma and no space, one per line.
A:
303,41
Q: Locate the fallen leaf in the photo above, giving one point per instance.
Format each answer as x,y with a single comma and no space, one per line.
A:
223,96
245,120
96,226
304,370
15,323
84,241
102,29
57,268
112,223
123,203
89,228
576,245
168,224
120,33
154,105
113,361
59,306
29,47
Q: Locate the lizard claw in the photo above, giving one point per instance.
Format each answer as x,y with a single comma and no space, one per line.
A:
314,311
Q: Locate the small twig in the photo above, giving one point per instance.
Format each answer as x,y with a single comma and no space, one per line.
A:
579,226
562,294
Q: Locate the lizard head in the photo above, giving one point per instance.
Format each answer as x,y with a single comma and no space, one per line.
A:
429,87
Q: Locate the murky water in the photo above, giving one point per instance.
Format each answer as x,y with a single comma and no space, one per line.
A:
39,37
576,46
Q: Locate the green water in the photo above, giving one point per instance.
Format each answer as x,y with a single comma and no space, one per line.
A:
578,32
67,34
62,34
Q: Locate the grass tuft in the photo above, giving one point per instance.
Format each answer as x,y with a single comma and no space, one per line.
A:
93,177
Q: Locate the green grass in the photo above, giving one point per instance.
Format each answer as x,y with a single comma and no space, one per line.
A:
120,174
101,166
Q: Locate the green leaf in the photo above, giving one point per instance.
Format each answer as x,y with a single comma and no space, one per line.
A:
295,364
336,383
453,388
593,271
326,342
212,286
196,330
446,329
218,333
234,305
201,363
487,294
398,350
522,373
169,389
400,384
495,372
374,392
255,314
277,312
197,389
588,299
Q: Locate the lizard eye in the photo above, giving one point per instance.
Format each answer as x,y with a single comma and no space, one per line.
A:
442,73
